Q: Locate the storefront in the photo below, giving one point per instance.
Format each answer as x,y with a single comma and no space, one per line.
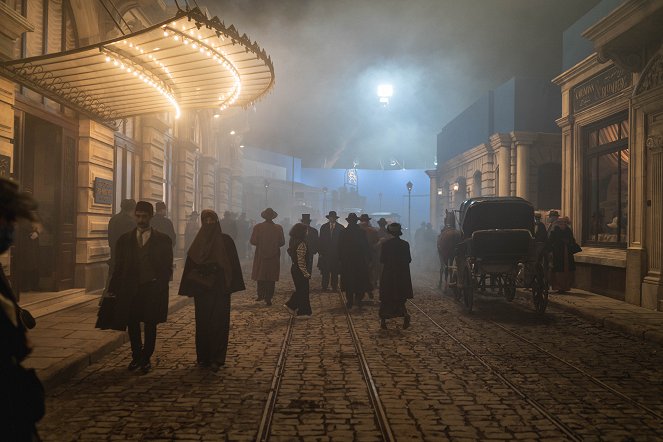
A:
612,127
83,127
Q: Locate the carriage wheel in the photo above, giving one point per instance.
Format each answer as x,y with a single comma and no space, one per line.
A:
540,293
453,281
468,291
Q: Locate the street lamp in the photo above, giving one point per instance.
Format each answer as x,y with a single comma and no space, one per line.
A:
409,186
266,191
324,200
385,92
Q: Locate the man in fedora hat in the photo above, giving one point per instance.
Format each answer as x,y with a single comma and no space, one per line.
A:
372,238
328,262
355,255
228,224
311,240
139,284
268,238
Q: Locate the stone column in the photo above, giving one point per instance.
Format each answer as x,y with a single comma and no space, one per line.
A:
501,143
96,159
523,143
208,182
153,159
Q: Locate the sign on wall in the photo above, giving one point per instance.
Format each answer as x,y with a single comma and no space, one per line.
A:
600,87
103,191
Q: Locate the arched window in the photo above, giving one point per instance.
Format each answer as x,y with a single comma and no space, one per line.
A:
460,191
477,183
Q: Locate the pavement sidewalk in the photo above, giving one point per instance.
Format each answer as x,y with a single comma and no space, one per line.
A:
612,314
66,341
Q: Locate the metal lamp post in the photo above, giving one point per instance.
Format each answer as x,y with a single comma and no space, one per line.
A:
266,191
409,186
324,200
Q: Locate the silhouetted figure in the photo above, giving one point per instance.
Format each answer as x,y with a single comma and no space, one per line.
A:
563,245
299,303
242,235
211,274
328,261
162,223
139,283
268,238
372,238
395,281
311,240
122,222
21,392
228,225
191,230
354,254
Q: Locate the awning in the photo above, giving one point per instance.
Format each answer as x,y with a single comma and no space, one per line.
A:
189,62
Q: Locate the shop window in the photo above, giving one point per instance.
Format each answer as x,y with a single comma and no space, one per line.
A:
605,216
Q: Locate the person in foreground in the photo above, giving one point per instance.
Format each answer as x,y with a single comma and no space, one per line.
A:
299,303
395,281
563,246
21,392
138,288
212,272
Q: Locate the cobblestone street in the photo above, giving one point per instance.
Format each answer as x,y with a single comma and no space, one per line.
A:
501,373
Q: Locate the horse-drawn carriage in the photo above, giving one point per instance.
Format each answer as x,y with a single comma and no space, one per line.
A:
496,251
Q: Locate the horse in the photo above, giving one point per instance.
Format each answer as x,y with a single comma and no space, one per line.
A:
447,241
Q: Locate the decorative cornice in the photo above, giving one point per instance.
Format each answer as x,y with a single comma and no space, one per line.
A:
523,137
577,70
498,139
565,121
621,19
13,23
654,142
652,75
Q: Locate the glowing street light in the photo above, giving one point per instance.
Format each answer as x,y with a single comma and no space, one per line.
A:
385,92
409,186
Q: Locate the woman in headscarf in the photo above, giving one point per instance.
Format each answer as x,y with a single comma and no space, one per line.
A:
211,273
299,303
562,245
395,281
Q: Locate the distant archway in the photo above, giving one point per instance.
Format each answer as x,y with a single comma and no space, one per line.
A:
549,186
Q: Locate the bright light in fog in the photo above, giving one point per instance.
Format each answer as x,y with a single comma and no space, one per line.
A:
385,91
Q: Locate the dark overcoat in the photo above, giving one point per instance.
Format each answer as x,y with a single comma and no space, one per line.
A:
354,254
268,239
311,246
164,225
124,282
119,224
395,281
328,248
189,287
559,244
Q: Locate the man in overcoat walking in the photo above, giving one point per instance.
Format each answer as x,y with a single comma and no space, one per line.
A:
355,256
119,224
268,238
162,223
139,284
311,240
328,261
372,238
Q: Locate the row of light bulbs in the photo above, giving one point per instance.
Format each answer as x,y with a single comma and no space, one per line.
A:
147,78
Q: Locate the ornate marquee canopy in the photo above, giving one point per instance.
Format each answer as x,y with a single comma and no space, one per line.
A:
188,62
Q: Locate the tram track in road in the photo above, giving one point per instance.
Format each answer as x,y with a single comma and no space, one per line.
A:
557,422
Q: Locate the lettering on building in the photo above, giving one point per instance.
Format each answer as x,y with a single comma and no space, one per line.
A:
103,191
600,87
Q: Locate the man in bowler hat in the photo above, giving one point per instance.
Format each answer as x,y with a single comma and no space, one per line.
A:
328,261
268,238
139,283
354,253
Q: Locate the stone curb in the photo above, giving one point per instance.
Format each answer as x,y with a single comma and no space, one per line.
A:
66,368
610,321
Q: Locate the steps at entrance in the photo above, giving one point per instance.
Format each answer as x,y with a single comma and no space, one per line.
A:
44,303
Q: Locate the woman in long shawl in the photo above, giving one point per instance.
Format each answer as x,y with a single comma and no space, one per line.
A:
395,281
299,303
211,273
563,245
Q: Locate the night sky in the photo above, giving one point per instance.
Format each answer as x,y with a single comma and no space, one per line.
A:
440,56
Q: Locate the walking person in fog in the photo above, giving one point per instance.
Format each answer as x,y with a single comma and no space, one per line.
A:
563,246
139,284
268,239
395,281
354,254
228,224
373,239
22,394
211,274
299,303
311,240
328,261
162,223
242,235
122,222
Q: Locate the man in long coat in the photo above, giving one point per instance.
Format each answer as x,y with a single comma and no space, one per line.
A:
328,261
268,239
311,240
395,281
355,255
372,238
119,224
139,284
162,223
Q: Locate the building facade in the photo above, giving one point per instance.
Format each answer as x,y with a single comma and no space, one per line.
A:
79,168
612,150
